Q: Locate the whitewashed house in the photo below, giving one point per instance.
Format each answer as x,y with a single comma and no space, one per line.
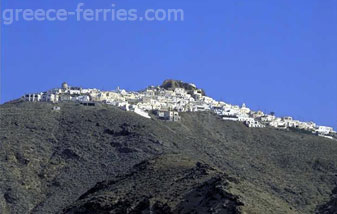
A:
325,130
138,111
33,97
267,118
169,115
83,98
252,123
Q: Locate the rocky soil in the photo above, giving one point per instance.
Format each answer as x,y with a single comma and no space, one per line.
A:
167,184
331,206
104,160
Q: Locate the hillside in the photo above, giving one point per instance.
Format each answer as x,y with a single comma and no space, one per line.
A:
102,158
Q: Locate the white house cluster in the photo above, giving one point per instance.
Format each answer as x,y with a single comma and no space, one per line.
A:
167,103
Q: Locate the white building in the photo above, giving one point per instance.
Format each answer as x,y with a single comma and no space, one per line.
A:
251,123
168,103
169,115
325,130
33,97
140,112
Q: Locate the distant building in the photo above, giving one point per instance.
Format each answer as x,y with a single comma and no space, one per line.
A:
65,86
169,115
253,123
324,130
168,102
33,97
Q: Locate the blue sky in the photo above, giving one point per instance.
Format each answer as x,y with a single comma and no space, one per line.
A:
276,56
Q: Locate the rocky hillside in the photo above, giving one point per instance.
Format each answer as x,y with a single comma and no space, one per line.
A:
104,160
330,206
179,185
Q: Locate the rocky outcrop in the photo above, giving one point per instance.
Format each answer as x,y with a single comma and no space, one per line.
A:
331,206
168,184
173,84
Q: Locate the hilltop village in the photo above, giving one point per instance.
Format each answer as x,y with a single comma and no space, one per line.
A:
171,98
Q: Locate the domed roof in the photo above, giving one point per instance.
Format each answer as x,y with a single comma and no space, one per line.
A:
65,85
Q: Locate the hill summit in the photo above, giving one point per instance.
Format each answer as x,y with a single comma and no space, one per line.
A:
170,84
172,98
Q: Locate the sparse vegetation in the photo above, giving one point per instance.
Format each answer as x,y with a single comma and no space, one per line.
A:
49,160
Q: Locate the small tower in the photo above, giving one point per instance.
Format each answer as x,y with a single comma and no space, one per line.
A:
65,86
243,105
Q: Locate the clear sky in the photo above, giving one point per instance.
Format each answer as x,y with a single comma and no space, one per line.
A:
276,55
